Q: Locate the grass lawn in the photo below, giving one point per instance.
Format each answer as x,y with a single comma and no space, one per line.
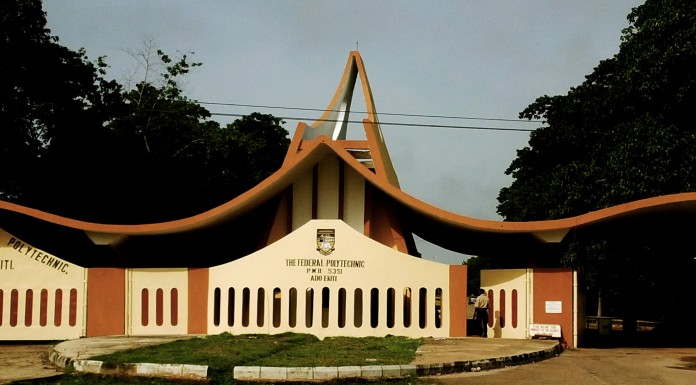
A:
221,353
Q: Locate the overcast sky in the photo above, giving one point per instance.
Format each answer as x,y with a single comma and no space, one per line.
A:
465,58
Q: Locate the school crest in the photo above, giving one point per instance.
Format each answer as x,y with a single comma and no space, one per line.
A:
326,239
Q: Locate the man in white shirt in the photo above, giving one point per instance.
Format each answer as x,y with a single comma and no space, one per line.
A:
481,312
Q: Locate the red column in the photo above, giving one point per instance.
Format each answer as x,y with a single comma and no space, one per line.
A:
198,281
458,300
106,301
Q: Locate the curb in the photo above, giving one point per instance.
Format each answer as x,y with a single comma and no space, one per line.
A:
322,373
199,372
488,364
286,374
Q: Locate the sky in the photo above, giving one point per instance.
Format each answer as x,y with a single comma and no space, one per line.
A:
482,62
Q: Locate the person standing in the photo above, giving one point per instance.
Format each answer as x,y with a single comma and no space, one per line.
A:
481,311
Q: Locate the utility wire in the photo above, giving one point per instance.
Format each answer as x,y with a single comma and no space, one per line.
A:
392,123
379,113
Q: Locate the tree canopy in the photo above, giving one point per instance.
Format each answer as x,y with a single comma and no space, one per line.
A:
79,145
43,88
625,133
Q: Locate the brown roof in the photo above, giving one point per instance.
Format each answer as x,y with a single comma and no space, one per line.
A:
450,230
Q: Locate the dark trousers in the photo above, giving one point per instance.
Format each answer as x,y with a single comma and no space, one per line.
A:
482,317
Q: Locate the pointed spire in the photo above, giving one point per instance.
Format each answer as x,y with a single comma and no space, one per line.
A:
334,121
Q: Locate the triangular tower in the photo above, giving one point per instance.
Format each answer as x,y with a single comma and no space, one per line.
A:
333,124
337,187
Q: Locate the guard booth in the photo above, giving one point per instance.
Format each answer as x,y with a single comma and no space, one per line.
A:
534,303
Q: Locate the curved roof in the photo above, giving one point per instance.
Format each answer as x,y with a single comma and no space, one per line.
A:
430,222
450,230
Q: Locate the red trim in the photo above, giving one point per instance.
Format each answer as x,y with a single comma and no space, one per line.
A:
174,306
458,300
43,312
159,307
106,302
28,307
72,318
144,307
341,187
58,313
315,191
198,280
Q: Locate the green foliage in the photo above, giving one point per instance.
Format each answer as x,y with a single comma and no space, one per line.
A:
263,141
474,267
224,351
175,154
78,145
51,99
625,133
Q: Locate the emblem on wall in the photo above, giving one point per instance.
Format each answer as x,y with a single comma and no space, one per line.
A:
326,239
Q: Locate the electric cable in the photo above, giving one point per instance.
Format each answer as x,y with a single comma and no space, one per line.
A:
365,112
390,123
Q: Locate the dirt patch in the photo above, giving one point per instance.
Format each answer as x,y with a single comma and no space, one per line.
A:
689,363
25,362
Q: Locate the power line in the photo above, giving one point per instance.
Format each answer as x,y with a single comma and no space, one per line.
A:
379,113
393,123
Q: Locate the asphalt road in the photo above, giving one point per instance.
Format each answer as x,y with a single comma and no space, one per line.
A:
611,366
585,366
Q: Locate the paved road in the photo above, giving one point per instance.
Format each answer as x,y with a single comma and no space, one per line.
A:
630,366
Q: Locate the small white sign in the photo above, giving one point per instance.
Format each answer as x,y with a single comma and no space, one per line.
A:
554,307
545,330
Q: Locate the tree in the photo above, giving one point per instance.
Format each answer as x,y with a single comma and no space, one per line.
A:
182,163
624,134
78,145
264,141
474,267
50,97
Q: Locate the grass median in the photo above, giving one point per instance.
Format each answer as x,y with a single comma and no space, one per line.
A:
225,351
221,353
